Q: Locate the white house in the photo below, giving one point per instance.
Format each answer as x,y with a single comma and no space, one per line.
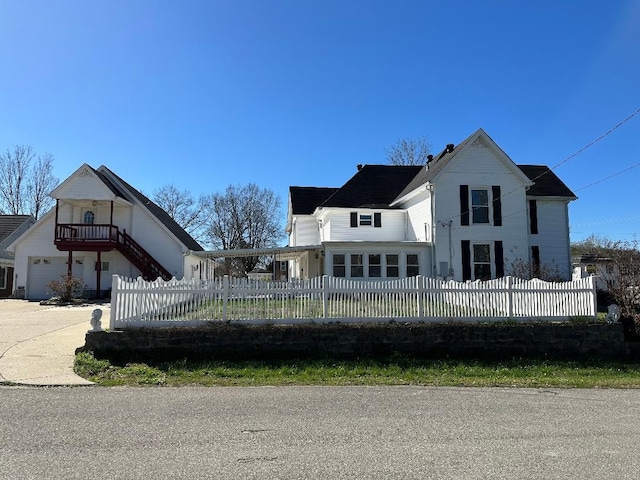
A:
101,226
469,213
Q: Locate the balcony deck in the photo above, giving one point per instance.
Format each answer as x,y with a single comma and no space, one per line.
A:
82,237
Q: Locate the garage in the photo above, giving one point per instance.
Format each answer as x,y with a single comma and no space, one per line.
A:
44,269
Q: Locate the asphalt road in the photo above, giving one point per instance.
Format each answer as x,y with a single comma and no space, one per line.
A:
318,432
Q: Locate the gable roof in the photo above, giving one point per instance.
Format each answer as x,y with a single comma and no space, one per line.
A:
546,183
440,161
104,173
304,200
11,223
373,186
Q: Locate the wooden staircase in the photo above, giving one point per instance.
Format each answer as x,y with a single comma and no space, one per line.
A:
150,268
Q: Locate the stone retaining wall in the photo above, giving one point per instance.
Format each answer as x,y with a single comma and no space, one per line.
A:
566,341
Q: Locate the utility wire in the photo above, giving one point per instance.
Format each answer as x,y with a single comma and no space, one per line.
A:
573,155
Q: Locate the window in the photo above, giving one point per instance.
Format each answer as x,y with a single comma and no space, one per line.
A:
392,266
3,278
481,262
480,206
89,217
375,268
357,269
413,267
104,266
366,220
283,266
338,265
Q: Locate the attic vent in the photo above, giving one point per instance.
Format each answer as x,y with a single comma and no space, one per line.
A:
450,147
429,158
359,166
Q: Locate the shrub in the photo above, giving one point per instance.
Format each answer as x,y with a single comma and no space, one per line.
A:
67,288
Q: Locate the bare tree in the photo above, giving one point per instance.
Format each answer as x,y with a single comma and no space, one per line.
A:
41,183
622,275
244,217
181,206
24,187
14,168
408,151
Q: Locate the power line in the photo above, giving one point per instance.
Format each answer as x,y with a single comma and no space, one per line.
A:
573,155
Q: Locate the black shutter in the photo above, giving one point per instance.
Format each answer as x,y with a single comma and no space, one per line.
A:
354,219
533,216
497,206
464,204
499,258
466,260
535,257
377,219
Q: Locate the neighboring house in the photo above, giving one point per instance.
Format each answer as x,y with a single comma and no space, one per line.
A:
11,227
470,213
102,226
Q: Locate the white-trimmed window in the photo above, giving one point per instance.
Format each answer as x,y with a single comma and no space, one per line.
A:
393,266
357,266
375,265
366,219
480,205
413,265
339,267
89,217
482,262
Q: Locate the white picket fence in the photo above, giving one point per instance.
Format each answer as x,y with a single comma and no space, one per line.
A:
138,303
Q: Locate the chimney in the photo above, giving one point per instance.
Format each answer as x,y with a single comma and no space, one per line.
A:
429,158
359,166
450,147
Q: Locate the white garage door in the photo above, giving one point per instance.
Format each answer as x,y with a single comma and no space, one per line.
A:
44,269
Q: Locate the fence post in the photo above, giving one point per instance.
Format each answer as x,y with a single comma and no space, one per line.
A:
510,296
594,293
115,283
325,296
420,291
225,296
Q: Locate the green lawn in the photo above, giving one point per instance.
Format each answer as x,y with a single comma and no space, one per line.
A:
392,371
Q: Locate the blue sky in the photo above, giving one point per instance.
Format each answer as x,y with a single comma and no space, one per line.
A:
204,94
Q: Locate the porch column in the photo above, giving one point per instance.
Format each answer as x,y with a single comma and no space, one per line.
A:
98,271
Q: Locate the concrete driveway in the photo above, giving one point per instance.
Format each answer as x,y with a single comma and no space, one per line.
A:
38,342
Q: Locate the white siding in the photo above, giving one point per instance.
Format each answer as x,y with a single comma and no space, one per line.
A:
337,226
155,239
419,218
305,231
479,167
37,242
83,185
553,235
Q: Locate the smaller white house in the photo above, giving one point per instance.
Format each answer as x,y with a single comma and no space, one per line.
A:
101,226
11,227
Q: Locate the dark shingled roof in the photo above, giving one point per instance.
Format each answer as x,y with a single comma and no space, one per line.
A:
10,223
547,184
304,200
432,168
373,186
155,210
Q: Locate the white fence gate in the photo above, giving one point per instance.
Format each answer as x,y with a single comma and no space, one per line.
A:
138,303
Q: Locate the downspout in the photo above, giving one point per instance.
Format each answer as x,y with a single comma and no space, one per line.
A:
433,231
